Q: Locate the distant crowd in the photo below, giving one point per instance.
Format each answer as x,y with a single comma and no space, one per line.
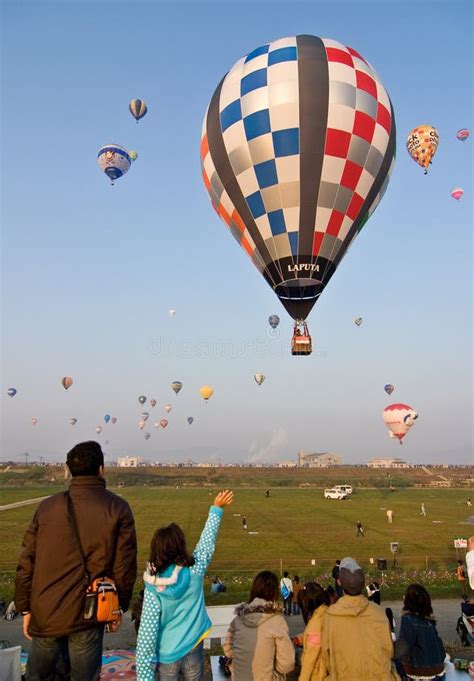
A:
77,570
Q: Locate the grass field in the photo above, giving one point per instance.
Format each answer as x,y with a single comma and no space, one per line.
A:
295,526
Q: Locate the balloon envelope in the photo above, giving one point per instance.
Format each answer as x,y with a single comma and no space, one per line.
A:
297,147
107,418
153,403
141,425
66,382
137,108
145,415
98,430
422,144
34,421
259,378
163,423
176,385
147,436
172,313
11,392
274,320
399,418
206,391
133,155
142,399
114,161
463,134
190,419
389,388
114,419
168,408
358,321
457,192
73,421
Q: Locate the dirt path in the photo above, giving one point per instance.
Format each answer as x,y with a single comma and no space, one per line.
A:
26,502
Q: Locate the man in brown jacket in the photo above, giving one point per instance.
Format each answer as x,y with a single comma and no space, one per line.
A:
50,589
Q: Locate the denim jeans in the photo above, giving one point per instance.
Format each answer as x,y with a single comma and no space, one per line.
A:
188,668
296,608
82,652
287,605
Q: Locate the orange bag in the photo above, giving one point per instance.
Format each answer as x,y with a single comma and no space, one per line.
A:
108,608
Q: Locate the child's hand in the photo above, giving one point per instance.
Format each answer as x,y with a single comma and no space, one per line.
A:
224,498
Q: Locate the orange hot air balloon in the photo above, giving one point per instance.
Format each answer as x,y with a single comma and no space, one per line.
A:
422,144
66,382
206,391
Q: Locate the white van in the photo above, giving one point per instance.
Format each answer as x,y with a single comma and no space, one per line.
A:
334,493
344,488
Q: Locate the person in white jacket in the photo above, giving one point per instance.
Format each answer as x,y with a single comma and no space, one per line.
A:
470,561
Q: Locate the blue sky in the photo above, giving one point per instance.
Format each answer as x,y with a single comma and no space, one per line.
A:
90,272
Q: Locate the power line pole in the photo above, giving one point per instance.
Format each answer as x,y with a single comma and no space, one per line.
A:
27,456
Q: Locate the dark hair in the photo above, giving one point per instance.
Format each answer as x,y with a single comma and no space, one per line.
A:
168,547
417,601
391,621
285,574
296,579
312,596
338,562
86,458
265,585
460,562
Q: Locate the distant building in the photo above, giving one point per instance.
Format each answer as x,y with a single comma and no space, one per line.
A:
286,464
324,460
388,463
129,461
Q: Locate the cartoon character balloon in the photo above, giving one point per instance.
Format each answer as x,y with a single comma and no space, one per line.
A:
66,382
114,161
422,144
297,147
457,193
259,378
389,388
137,108
463,134
399,418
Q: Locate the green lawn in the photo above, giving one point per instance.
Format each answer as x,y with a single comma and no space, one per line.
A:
295,526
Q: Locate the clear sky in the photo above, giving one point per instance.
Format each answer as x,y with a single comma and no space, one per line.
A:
90,271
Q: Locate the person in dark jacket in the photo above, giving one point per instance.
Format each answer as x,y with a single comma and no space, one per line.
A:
50,583
419,650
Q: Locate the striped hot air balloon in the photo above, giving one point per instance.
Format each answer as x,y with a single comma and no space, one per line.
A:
457,193
463,134
137,108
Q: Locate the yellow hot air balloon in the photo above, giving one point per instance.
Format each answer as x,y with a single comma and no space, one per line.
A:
206,392
422,144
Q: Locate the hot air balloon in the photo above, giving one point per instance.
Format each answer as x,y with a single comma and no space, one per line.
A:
297,148
133,155
157,424
168,408
114,161
358,321
11,392
389,388
206,392
190,419
98,430
399,418
172,313
66,382
137,108
107,418
259,378
163,423
463,134
141,424
34,421
274,320
147,436
153,403
145,415
114,419
457,193
73,421
422,144
176,385
142,399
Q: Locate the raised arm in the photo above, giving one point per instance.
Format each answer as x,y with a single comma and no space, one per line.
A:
207,542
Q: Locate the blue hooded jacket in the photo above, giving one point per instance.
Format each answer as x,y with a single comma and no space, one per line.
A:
174,617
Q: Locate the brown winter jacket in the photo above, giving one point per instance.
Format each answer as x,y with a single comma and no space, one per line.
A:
49,580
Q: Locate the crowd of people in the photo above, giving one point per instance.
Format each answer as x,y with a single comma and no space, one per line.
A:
88,533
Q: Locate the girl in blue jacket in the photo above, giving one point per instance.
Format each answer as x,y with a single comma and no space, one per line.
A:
174,621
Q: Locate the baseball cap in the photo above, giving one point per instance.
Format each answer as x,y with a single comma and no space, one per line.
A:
351,576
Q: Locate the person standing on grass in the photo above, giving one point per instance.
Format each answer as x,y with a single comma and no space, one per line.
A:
390,516
174,621
286,590
244,523
469,503
360,529
423,510
461,577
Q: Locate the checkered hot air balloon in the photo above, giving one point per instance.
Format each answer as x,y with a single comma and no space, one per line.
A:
399,418
297,148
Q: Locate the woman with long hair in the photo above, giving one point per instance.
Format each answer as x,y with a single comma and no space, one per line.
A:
419,651
174,621
257,642
315,602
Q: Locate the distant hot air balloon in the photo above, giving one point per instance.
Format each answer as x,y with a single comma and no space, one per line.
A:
133,155
114,161
137,108
274,320
142,399
422,143
145,416
297,147
11,392
66,382
153,403
168,408
176,385
190,419
206,391
163,423
172,313
358,321
463,134
107,418
114,419
259,378
34,421
98,430
141,424
73,421
389,388
399,418
147,436
457,193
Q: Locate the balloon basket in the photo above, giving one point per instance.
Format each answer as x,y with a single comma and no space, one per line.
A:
301,343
